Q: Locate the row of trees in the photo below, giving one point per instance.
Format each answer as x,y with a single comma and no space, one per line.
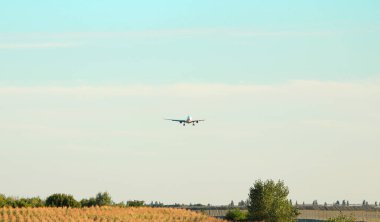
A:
267,202
343,203
65,200
18,203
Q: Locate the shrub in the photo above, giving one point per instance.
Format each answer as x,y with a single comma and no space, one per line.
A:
103,199
3,201
23,202
135,203
341,218
236,214
88,202
268,202
61,200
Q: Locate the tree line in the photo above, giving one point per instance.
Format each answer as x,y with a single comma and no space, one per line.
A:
267,201
65,200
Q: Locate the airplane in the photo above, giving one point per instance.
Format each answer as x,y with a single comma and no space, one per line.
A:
188,120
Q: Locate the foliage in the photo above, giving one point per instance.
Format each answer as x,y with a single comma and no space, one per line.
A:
341,218
103,199
57,200
156,204
23,202
3,200
268,202
242,203
61,200
88,202
120,204
236,214
135,203
28,202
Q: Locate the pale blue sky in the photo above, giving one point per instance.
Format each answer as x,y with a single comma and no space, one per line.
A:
111,42
290,90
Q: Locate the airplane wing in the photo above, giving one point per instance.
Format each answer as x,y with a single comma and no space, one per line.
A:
177,120
197,120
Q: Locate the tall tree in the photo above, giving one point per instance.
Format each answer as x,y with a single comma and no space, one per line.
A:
103,199
267,201
61,200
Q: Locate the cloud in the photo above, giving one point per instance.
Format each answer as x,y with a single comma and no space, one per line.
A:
36,40
167,33
294,88
35,45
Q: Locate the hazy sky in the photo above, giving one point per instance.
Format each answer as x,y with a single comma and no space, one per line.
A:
290,90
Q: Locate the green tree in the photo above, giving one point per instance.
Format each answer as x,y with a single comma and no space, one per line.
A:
88,202
242,203
23,202
120,204
342,218
29,202
36,202
236,214
11,202
61,200
103,199
267,201
3,201
135,203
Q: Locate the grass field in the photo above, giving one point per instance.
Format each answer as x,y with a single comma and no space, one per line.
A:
359,215
103,214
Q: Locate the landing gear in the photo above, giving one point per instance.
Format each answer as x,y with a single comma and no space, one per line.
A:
184,124
193,124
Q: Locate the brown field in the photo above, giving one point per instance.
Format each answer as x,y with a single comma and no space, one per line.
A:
103,214
359,215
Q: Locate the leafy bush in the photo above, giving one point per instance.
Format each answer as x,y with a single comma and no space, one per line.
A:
28,202
23,202
268,202
135,203
61,200
341,218
236,214
3,201
88,202
103,199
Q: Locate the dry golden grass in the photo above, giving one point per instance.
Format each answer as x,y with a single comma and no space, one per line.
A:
101,214
368,216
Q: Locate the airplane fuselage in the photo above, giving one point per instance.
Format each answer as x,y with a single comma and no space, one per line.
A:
188,120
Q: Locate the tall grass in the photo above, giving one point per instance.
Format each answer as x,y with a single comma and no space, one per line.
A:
368,216
101,214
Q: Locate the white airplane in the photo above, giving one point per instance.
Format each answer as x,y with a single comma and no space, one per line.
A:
188,120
